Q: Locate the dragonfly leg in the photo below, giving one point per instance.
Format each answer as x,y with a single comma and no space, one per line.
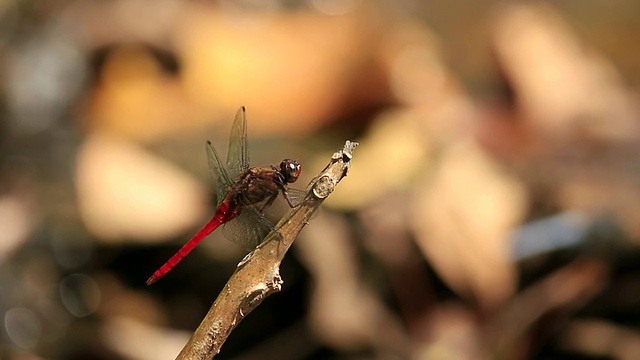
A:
268,203
286,196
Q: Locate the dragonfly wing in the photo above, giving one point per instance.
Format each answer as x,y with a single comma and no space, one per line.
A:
296,196
238,156
248,229
223,180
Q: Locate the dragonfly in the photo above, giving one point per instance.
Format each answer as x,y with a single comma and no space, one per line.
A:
244,194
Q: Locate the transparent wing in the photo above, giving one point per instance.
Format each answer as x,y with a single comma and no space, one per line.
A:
223,181
249,228
238,156
296,196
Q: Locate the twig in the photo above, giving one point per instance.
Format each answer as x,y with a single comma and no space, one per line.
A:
257,275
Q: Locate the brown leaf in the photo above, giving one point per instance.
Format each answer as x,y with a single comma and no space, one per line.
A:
125,192
462,219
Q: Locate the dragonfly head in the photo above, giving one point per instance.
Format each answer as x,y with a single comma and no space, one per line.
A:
290,169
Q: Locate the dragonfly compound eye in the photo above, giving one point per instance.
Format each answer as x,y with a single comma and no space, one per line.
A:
290,169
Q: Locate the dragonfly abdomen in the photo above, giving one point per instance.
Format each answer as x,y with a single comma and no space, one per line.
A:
226,212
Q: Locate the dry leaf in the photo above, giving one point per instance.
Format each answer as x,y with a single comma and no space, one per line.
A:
462,219
125,192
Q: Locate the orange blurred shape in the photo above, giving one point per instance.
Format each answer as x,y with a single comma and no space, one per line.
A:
462,219
393,152
125,192
563,86
18,217
344,313
601,338
133,339
293,70
134,97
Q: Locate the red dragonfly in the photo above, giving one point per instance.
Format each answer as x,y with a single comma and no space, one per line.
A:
241,189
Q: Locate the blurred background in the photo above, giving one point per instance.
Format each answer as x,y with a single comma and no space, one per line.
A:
491,211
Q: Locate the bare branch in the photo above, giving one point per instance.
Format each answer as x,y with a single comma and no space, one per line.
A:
258,275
